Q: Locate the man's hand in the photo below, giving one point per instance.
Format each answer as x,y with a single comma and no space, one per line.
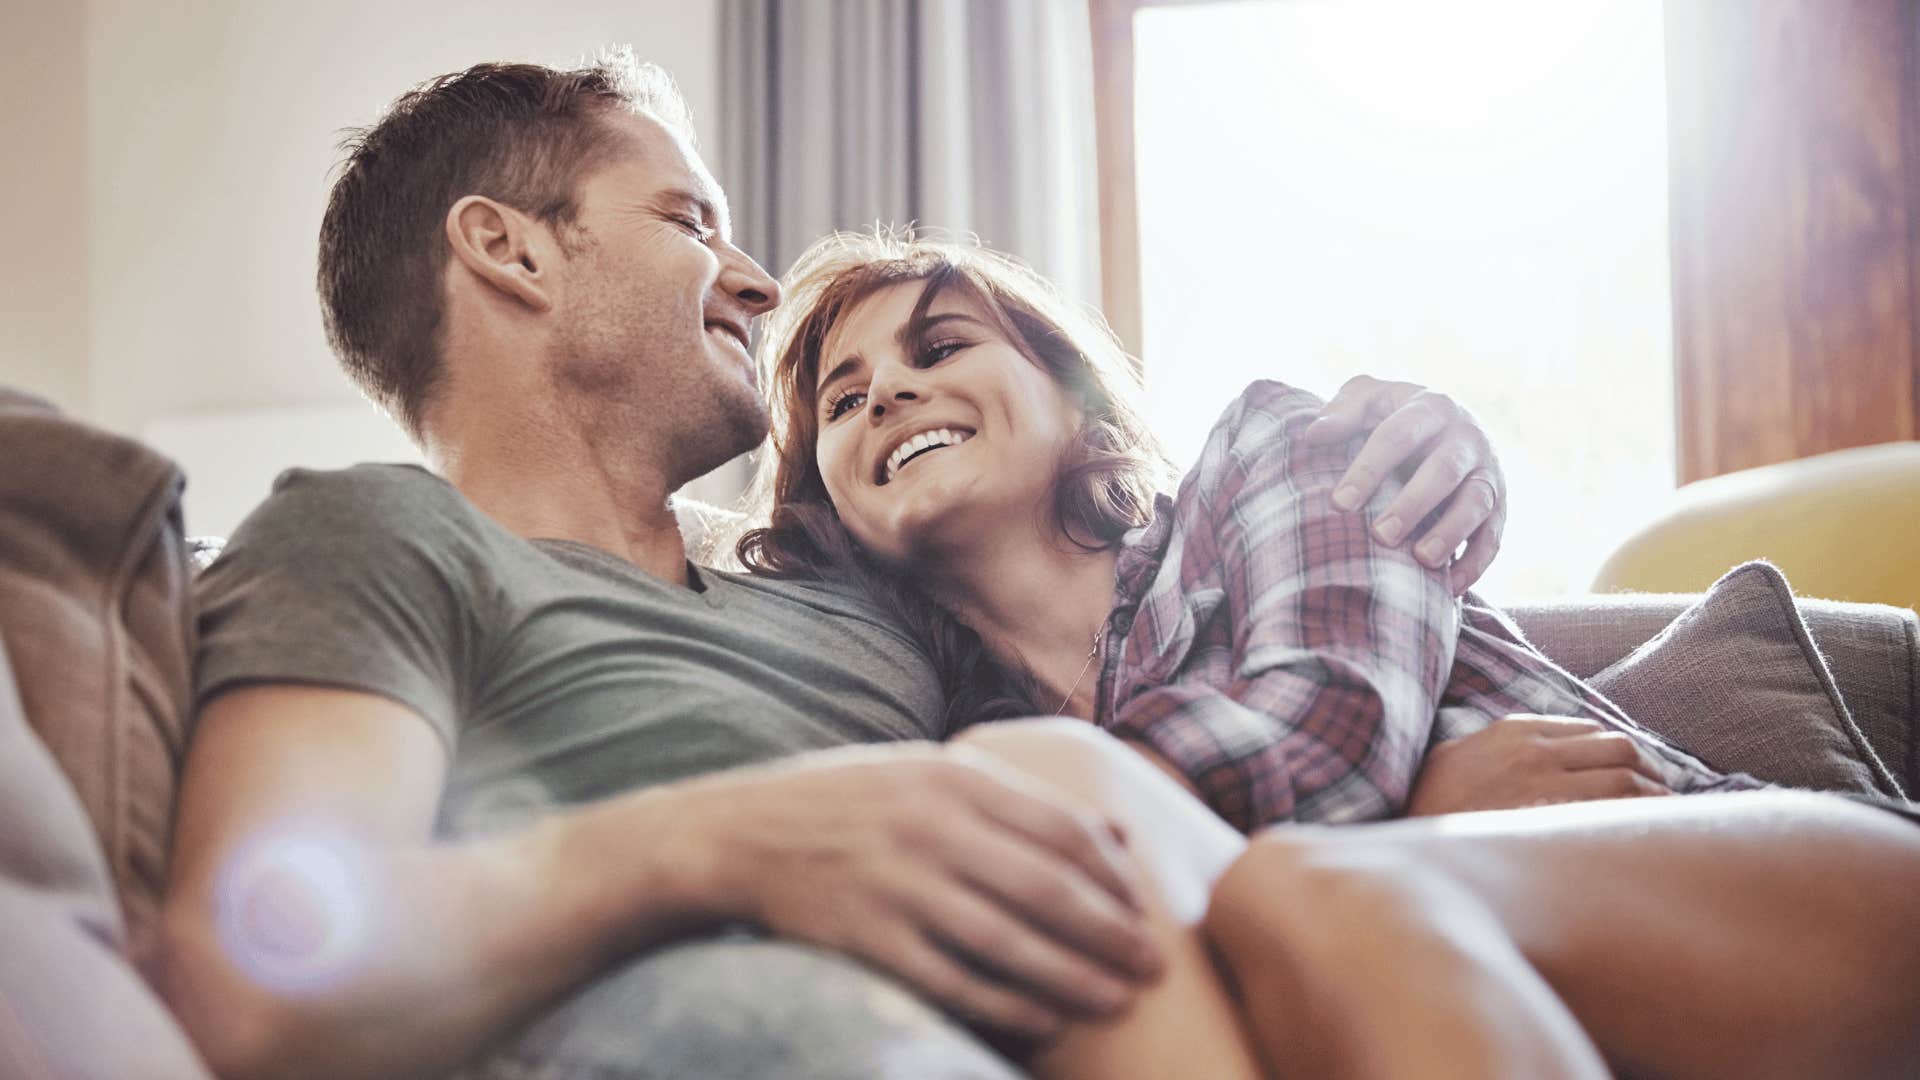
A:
1530,761
993,896
1456,466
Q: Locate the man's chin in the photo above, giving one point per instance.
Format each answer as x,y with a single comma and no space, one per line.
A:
737,425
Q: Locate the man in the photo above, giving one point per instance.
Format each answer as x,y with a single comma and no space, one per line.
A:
469,739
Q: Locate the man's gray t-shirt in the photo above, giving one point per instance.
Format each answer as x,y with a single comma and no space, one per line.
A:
556,673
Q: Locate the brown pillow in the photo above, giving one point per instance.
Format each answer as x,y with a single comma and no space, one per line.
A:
1736,680
94,613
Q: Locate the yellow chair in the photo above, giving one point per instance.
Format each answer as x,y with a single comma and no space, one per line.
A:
1842,526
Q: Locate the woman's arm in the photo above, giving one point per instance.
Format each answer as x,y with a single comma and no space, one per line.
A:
1317,653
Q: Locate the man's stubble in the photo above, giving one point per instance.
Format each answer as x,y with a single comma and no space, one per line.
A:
636,366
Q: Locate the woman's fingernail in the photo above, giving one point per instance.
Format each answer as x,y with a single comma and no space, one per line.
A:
1429,552
1346,497
1388,530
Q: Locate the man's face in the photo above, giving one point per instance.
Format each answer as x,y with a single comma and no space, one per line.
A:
652,325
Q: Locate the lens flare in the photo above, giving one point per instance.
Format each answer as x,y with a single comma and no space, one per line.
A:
294,908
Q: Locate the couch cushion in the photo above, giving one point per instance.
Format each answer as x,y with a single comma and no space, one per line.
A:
72,1009
94,614
48,844
70,1005
1736,679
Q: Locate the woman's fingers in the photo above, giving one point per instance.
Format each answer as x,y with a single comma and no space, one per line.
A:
1553,727
1618,783
1606,750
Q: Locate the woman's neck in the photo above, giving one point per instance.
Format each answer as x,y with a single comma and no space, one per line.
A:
1039,602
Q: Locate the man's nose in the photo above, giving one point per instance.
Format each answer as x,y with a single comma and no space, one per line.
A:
747,282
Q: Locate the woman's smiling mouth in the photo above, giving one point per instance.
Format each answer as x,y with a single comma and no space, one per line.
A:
917,445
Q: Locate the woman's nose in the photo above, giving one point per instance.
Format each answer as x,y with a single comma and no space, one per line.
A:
878,404
893,385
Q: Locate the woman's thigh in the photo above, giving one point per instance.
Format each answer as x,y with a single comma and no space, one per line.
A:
1758,934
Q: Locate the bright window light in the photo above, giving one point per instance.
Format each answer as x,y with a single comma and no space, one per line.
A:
1470,195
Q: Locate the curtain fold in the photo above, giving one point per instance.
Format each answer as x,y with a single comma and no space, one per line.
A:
973,116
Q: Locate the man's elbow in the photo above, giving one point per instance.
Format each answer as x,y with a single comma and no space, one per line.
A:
240,1030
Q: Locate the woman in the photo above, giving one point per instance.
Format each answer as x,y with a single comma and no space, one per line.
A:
945,423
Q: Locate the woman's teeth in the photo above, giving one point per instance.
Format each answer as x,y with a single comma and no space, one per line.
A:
923,441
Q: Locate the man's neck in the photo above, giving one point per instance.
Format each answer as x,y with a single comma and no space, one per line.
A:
1038,601
546,477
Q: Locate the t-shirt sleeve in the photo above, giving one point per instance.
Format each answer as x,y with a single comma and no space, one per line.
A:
1333,650
348,580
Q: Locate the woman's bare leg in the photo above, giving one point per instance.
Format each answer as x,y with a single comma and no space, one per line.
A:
1393,973
1189,1024
1754,935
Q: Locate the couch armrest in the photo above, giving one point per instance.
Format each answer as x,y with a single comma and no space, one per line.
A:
1873,651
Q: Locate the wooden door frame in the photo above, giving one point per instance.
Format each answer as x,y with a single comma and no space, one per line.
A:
1120,292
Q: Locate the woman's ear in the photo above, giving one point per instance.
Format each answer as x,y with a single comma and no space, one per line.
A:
501,247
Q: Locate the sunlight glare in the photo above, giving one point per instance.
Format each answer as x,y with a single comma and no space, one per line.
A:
1469,195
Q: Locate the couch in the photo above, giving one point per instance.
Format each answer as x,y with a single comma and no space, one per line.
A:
95,654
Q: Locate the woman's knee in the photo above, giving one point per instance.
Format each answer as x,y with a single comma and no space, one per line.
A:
1181,844
1071,754
1326,896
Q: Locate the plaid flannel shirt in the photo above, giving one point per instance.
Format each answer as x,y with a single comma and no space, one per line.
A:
1293,667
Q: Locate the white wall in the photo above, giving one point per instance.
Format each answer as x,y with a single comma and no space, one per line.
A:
212,130
43,208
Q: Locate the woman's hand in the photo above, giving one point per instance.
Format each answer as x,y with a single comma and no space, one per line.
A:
1411,425
1530,761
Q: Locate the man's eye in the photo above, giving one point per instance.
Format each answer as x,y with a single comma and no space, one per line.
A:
845,400
700,232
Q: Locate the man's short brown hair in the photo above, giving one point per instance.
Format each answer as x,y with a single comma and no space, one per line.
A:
522,134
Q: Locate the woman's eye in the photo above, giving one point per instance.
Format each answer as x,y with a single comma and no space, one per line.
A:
849,399
939,350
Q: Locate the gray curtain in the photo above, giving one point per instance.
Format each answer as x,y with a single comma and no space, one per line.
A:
967,115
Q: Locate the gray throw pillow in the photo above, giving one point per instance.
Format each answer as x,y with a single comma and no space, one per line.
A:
1736,680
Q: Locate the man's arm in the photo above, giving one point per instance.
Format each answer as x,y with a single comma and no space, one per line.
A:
313,928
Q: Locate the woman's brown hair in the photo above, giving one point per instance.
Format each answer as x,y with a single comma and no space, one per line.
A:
1104,485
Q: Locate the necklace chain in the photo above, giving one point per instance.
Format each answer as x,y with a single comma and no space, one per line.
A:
1099,639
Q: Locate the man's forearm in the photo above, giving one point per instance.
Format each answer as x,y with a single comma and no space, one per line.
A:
461,942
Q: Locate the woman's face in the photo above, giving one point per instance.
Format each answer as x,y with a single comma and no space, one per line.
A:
932,444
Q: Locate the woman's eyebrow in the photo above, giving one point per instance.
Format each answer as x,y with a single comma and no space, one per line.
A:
841,370
919,329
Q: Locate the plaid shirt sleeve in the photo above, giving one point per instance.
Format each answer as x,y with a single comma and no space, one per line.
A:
1283,659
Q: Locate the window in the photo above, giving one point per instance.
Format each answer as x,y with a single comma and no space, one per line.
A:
1470,195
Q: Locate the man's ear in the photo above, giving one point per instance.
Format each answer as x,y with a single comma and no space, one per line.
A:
501,247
